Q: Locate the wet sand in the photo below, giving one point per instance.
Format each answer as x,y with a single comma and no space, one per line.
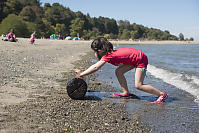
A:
33,95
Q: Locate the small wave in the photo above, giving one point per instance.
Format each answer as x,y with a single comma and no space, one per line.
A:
182,81
197,99
195,80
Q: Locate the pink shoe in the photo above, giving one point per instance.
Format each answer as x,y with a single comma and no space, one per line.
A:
163,98
121,95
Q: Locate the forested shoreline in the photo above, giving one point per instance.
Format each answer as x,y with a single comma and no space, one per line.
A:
26,17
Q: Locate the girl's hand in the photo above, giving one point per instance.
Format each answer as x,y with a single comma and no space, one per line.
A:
78,72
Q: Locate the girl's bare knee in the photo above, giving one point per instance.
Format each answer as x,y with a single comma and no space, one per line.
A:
138,86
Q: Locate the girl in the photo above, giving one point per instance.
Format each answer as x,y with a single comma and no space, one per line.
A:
32,39
126,59
11,36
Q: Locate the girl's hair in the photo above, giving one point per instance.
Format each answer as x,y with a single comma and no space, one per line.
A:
102,44
12,30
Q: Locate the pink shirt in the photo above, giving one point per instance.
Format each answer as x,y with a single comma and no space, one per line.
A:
10,35
130,56
33,35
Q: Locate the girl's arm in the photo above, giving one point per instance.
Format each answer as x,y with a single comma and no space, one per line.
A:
91,69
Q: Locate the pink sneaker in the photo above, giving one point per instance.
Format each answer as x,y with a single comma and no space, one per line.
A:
121,95
163,98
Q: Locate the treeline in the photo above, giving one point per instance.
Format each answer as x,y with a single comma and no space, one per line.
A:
26,16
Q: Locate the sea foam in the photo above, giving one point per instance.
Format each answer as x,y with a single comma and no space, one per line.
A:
184,82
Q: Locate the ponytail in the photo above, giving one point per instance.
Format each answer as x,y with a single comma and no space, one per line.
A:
102,44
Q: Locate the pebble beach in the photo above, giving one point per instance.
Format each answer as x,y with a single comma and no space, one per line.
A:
33,94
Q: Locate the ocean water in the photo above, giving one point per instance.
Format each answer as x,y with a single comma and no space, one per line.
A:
173,69
177,65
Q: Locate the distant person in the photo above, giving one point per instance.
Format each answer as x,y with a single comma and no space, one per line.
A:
3,36
11,36
126,59
68,38
32,38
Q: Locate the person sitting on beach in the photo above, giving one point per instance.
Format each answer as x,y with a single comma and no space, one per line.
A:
11,36
32,38
3,36
126,59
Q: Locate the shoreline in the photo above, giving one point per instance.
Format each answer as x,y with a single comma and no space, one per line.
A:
123,42
120,42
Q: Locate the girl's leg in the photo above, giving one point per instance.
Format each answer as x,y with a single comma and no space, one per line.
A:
120,71
139,79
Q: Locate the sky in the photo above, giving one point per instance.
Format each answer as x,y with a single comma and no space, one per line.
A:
176,16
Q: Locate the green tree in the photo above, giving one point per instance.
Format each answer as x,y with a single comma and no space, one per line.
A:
30,2
60,29
98,24
2,4
48,29
135,34
16,23
38,12
106,25
191,39
107,36
31,27
58,14
34,13
111,26
181,37
172,37
16,6
167,31
91,34
76,27
139,29
87,23
28,14
46,6
124,24
12,7
126,35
